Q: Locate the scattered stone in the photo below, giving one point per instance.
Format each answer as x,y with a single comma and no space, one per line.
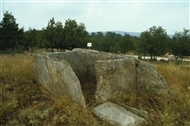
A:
117,115
141,113
171,58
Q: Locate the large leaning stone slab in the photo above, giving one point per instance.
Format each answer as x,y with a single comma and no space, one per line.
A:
58,77
117,115
149,81
75,60
114,75
82,61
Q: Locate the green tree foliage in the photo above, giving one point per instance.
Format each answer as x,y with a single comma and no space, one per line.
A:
75,34
115,42
127,43
97,40
59,36
53,35
112,42
30,39
11,36
70,36
160,39
180,44
154,41
135,41
145,44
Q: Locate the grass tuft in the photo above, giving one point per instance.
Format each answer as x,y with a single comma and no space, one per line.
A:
24,102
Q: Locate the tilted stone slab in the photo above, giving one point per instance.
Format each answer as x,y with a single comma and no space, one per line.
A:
141,113
114,75
149,81
58,77
117,115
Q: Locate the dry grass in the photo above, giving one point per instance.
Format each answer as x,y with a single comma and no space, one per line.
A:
25,102
178,78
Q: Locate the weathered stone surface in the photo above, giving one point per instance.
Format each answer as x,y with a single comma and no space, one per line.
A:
149,81
114,75
117,115
141,113
171,58
110,72
82,61
58,77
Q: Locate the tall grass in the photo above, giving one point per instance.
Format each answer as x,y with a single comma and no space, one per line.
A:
178,78
25,102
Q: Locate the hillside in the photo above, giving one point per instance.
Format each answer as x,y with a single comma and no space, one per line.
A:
25,102
137,34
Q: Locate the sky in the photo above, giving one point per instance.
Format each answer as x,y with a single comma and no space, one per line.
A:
102,15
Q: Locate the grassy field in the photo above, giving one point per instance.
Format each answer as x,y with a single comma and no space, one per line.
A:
24,102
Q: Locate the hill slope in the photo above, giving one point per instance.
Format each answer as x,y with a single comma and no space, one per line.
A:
137,34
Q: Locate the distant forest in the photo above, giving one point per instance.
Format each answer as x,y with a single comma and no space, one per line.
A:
55,36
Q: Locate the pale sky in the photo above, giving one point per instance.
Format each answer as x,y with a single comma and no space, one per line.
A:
102,15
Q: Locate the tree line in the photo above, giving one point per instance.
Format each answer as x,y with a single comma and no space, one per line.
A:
153,41
54,36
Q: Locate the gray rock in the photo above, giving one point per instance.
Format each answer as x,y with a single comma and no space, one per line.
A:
117,115
127,75
114,75
171,58
58,77
61,72
82,61
149,81
141,113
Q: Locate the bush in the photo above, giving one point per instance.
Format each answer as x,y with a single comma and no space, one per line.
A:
140,57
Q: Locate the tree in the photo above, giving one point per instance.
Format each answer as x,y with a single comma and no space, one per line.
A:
159,38
11,35
154,41
97,40
75,35
180,45
49,34
111,42
53,35
126,43
82,35
135,40
72,35
59,36
30,39
145,44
